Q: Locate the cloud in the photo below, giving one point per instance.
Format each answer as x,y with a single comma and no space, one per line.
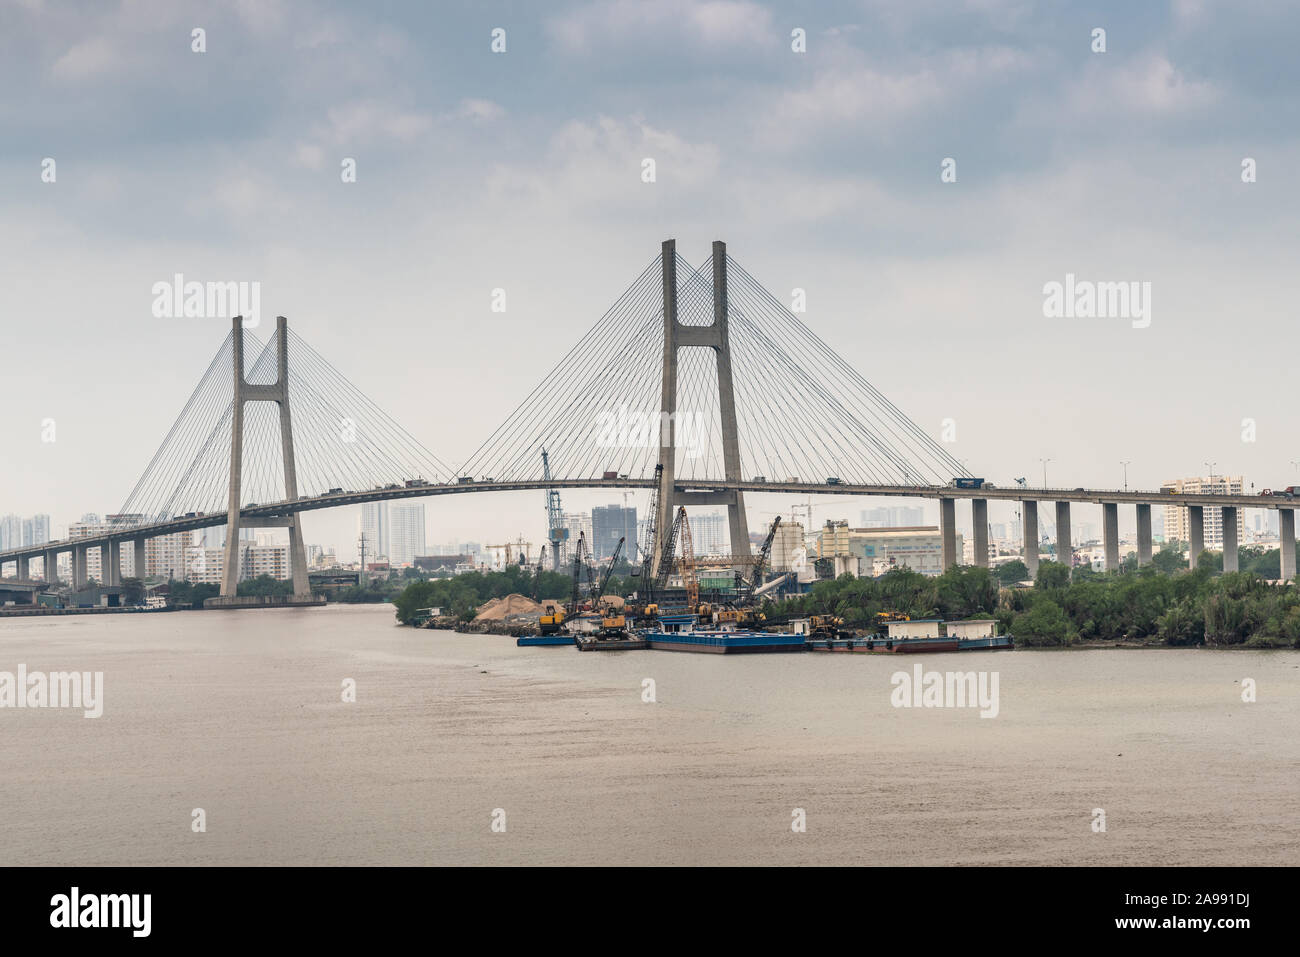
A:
88,58
1150,83
707,24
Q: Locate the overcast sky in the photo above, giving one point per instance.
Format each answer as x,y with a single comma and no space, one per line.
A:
522,170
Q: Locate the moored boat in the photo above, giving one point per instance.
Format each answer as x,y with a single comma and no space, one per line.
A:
536,640
683,633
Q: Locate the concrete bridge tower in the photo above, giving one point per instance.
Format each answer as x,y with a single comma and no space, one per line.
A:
277,392
678,336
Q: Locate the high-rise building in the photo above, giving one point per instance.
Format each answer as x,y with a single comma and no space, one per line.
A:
1177,524
374,526
710,533
886,517
578,523
609,523
11,532
405,532
19,532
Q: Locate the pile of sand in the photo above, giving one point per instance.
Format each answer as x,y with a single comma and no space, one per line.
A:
498,609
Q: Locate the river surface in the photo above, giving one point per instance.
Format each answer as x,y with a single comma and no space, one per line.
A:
241,714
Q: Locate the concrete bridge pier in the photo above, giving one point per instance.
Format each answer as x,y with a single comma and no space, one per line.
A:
1286,529
111,553
948,532
24,570
140,561
1196,534
1229,538
51,566
79,577
1029,533
1144,534
979,515
1110,534
1064,543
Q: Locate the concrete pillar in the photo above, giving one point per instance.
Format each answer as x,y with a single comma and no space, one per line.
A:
79,577
141,562
1144,534
297,550
24,570
1195,533
1064,544
1286,528
667,399
51,566
737,519
1029,534
230,571
1229,538
111,553
948,531
979,516
1110,534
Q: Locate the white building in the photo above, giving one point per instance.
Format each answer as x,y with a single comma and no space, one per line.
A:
406,532
1177,523
374,526
710,534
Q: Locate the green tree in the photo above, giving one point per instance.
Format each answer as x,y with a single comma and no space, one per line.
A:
1012,572
1045,623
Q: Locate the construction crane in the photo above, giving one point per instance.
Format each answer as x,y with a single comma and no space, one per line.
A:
688,562
604,578
648,546
580,560
667,550
763,554
556,533
522,545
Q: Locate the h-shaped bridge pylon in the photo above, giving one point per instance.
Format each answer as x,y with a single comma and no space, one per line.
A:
277,392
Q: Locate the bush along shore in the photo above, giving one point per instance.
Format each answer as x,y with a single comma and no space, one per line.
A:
1133,606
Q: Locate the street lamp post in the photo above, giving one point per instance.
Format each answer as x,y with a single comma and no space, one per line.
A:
1126,465
1211,467
1044,461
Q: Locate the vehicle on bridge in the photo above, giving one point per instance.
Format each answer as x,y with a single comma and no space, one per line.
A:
465,480
760,478
963,482
415,483
1290,492
833,481
334,491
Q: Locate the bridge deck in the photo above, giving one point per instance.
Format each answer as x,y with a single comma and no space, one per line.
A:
1016,494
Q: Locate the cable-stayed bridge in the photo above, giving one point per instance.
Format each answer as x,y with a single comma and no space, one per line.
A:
695,374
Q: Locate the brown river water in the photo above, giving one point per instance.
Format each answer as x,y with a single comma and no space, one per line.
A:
241,714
